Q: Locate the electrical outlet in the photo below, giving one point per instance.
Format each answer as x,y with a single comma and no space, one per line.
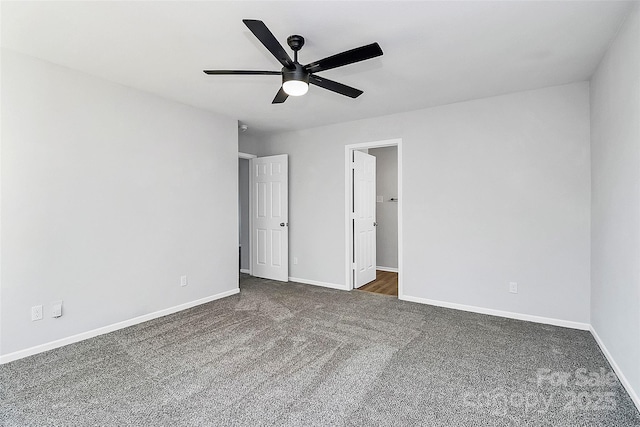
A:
56,309
183,280
295,260
513,287
36,312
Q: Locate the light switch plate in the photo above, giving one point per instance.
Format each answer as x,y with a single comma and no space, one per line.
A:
56,309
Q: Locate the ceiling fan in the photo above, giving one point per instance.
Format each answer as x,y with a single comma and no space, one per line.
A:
296,77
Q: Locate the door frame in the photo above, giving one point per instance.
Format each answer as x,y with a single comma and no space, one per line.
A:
247,156
348,234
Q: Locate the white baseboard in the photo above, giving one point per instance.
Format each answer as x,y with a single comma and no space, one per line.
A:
616,369
316,283
110,328
390,269
500,313
245,271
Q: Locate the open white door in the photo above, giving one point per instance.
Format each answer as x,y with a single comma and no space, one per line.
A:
364,214
270,213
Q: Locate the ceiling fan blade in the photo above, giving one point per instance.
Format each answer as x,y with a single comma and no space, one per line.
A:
243,72
335,86
269,41
349,57
281,96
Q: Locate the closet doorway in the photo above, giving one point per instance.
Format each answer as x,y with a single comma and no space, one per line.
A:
374,254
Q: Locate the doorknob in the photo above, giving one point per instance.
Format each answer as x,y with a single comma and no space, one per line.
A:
282,224
375,224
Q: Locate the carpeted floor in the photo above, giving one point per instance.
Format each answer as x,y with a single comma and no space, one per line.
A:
298,355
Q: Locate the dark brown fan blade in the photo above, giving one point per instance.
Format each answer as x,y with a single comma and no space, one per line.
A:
243,72
269,41
335,86
349,57
281,96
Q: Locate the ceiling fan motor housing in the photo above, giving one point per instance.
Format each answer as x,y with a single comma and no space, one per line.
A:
298,73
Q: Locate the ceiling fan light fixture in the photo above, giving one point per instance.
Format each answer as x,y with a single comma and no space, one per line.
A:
295,87
295,82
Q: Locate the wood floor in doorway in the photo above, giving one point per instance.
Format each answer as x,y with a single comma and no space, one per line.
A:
386,283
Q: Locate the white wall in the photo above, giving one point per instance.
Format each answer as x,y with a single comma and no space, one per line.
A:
109,195
495,190
615,232
386,211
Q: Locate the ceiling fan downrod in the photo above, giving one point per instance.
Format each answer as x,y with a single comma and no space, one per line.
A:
295,42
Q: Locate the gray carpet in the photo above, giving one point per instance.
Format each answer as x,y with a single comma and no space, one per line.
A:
299,355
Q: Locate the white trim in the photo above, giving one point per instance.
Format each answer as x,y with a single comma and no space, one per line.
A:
400,221
397,142
375,144
500,313
347,215
110,328
246,156
389,269
316,283
632,393
245,271
250,218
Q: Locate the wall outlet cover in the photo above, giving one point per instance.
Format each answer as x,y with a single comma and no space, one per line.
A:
183,280
513,287
36,312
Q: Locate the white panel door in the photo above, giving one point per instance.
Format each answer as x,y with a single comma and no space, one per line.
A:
270,217
364,214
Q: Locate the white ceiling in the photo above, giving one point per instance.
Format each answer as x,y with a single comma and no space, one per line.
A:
434,52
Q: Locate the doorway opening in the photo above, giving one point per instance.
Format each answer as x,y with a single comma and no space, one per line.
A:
362,253
244,212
